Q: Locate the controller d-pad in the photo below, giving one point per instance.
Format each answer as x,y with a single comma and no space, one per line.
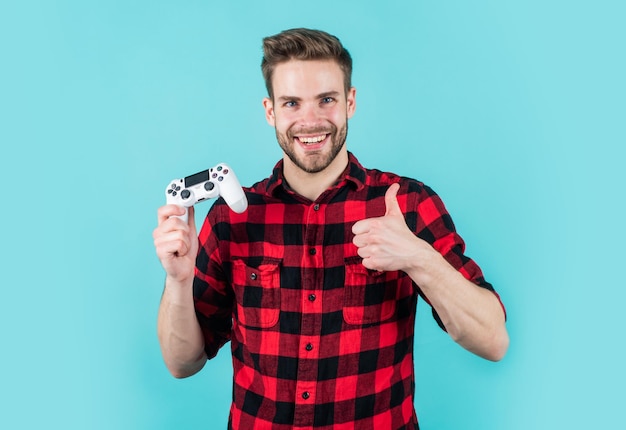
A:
173,190
209,186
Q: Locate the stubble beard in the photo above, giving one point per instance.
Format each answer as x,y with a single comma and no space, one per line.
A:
314,162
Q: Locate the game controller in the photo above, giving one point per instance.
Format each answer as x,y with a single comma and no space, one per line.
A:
216,181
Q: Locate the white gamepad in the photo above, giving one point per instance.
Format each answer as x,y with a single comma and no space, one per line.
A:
216,181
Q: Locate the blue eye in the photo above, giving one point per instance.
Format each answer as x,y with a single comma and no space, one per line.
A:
291,103
327,100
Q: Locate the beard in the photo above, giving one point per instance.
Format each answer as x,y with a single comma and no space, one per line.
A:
315,161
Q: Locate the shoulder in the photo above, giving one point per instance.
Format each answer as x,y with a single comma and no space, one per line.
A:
378,179
258,195
260,187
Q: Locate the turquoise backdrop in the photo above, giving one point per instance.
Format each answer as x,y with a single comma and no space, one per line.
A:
513,111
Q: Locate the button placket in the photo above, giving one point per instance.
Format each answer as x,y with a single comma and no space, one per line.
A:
311,303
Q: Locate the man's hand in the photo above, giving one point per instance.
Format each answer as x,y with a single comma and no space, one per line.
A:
176,243
386,243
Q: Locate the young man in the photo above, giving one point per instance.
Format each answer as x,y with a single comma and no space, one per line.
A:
316,284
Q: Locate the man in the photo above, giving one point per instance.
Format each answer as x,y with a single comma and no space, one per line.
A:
316,284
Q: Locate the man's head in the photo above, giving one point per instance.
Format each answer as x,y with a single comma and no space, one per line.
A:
303,44
310,99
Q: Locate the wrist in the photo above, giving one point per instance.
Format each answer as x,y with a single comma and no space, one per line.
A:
430,269
178,290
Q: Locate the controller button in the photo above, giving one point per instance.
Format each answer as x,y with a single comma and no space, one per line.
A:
219,168
170,191
185,194
220,179
214,175
174,193
209,186
225,171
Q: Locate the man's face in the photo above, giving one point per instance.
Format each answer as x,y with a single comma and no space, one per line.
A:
310,111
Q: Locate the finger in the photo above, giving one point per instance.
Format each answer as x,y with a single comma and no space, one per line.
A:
167,211
171,227
369,263
359,240
364,252
191,220
361,227
174,243
391,200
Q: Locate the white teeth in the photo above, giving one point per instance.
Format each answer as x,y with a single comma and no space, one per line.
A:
312,139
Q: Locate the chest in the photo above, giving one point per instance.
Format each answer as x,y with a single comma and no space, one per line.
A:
316,235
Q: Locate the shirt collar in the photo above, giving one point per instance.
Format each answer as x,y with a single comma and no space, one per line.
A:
354,174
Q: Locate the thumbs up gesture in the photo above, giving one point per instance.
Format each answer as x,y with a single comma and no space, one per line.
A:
386,243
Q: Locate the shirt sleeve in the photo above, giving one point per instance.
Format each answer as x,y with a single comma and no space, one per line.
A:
434,224
213,296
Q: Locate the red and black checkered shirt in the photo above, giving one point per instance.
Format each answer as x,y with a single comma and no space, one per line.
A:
318,341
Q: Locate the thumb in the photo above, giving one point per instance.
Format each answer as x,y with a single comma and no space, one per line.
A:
391,200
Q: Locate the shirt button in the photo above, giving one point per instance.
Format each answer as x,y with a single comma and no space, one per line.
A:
312,297
306,395
316,207
253,276
312,251
308,347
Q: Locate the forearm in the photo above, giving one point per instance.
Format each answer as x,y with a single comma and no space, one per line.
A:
180,336
473,316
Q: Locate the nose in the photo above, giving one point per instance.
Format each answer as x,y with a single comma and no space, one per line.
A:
310,114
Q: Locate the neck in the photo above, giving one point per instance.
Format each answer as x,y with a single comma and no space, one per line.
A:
312,185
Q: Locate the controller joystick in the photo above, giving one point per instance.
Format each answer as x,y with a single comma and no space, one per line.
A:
216,181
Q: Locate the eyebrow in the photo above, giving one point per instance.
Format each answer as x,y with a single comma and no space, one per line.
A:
319,96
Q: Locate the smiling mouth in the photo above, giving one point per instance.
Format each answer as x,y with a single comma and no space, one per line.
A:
312,141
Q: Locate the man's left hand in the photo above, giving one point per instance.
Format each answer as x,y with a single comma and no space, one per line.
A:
386,243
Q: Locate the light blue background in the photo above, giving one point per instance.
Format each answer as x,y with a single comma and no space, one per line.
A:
514,112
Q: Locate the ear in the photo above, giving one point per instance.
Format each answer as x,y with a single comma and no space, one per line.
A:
351,102
268,105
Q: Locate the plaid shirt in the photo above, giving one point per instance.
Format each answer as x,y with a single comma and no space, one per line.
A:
318,341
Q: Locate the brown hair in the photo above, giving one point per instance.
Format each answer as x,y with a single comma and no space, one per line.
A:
303,44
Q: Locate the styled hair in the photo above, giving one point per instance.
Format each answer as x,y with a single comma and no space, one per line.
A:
303,44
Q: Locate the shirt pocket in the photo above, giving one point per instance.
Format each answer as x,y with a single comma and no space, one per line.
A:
257,291
369,296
